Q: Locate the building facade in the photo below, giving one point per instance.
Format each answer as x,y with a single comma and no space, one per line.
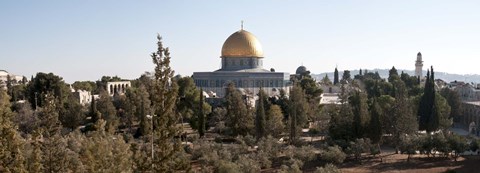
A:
471,115
119,87
242,64
467,92
4,75
419,65
83,97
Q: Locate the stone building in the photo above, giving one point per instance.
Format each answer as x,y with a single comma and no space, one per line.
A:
470,96
119,87
242,64
471,115
83,97
467,92
4,75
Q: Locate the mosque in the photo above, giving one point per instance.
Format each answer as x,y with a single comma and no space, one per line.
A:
242,64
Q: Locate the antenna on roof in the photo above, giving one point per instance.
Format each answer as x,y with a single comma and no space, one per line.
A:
241,25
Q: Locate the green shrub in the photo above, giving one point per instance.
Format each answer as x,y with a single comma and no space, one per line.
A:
333,154
328,168
247,164
227,167
305,153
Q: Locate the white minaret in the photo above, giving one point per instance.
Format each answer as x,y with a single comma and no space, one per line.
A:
419,65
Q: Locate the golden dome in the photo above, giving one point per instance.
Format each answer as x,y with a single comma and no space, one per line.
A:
242,44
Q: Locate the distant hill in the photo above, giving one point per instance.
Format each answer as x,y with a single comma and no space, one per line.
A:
448,77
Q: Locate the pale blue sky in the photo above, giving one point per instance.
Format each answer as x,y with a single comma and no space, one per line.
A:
83,40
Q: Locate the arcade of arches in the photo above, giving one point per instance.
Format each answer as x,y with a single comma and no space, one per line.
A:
118,87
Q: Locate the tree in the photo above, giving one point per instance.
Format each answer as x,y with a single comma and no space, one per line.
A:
260,122
201,116
335,77
94,114
218,119
189,99
361,117
107,110
386,104
457,144
274,121
454,101
326,80
9,84
333,154
49,118
121,104
393,75
44,83
375,126
138,107
412,83
433,110
164,99
346,77
297,111
74,115
11,159
442,109
283,102
426,108
104,152
238,118
409,144
85,85
34,160
341,123
311,89
25,118
403,119
18,92
54,154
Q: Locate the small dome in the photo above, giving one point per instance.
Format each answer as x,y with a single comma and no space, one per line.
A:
419,56
300,70
242,44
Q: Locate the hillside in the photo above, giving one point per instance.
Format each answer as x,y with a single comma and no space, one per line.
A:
448,77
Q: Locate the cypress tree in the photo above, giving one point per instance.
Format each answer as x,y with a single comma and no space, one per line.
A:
297,110
164,98
335,76
423,110
94,114
358,101
427,111
260,117
434,117
201,116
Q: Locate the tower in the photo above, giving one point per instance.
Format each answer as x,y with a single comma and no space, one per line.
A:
419,65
